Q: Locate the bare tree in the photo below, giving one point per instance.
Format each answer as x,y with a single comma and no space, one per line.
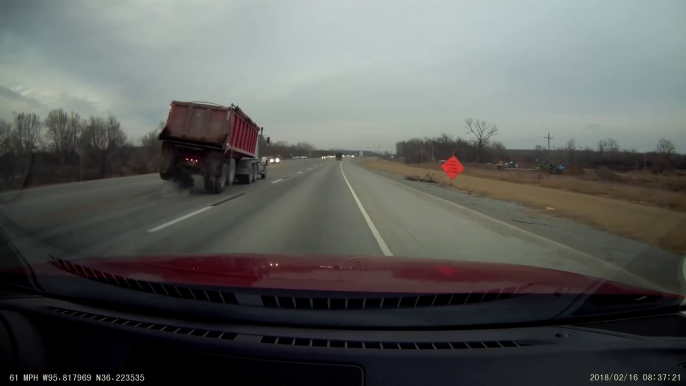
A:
73,132
497,150
665,147
444,138
102,137
150,140
28,131
482,131
304,147
603,146
5,137
7,159
57,124
612,145
570,146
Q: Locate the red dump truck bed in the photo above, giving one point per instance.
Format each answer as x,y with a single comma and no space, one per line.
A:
210,125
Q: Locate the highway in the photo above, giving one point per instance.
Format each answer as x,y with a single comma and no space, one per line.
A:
314,207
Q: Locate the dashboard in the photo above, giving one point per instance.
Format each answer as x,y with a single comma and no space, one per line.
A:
45,340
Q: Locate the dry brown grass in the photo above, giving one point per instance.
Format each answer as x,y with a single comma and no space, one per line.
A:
618,208
638,187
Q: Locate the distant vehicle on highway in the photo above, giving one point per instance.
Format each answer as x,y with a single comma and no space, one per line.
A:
275,159
216,142
339,156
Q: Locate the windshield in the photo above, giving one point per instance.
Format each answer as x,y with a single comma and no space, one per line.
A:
432,158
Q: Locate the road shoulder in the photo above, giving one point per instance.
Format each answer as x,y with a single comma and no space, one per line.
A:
653,263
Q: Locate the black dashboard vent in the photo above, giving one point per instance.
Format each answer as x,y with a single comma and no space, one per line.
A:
295,302
172,290
413,301
290,341
287,341
150,326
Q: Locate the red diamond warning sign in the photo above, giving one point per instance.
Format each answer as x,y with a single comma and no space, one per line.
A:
452,167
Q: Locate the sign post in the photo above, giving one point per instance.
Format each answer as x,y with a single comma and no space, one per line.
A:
452,167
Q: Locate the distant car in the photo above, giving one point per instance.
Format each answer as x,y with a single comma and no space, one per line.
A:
275,160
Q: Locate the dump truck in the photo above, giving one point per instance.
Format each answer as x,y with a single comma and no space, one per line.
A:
219,143
339,156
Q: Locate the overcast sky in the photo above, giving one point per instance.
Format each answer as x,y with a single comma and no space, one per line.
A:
358,73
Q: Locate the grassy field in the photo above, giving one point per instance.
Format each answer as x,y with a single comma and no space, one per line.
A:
641,187
654,215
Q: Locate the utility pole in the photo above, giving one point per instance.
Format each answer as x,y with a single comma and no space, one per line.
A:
379,148
549,138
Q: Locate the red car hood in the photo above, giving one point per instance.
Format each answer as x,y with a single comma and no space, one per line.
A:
336,273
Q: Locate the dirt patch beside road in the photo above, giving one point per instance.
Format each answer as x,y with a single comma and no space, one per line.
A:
657,226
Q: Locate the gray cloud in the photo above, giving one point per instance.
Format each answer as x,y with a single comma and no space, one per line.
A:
359,73
12,102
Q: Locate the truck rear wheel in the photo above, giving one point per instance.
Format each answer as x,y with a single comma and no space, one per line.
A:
248,178
253,173
215,175
231,175
215,184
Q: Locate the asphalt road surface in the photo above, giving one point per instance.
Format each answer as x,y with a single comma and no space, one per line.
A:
313,207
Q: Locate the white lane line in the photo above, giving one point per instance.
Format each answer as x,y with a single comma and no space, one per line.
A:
375,232
155,229
275,181
300,172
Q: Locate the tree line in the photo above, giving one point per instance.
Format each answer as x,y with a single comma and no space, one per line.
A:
478,146
66,147
288,150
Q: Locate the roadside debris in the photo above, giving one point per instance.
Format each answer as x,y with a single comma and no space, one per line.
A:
428,178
